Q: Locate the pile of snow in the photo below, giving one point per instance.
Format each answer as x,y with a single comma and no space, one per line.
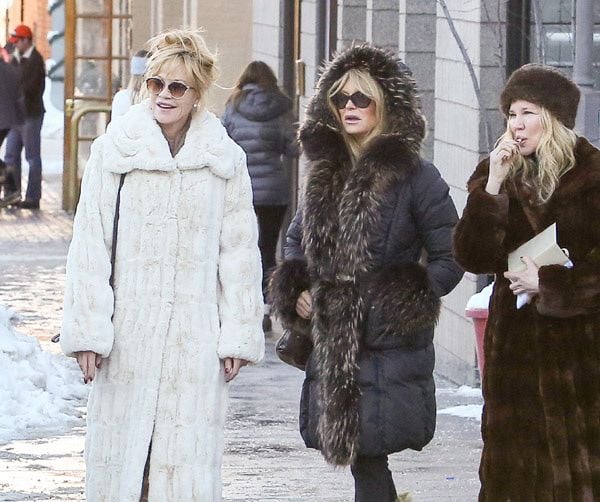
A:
464,411
472,411
38,390
466,391
481,300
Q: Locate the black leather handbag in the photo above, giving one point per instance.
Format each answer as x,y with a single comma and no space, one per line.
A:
295,345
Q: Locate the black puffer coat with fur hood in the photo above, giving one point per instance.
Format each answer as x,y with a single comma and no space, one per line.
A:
357,243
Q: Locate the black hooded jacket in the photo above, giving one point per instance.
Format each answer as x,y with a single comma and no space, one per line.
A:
372,243
261,124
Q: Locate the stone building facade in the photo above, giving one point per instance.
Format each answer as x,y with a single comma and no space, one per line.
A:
460,53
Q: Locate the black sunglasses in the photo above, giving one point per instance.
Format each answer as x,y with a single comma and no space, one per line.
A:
359,99
177,90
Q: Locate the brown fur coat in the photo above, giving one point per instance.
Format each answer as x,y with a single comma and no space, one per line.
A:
541,384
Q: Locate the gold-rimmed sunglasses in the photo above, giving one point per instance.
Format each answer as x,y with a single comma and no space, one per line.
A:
155,85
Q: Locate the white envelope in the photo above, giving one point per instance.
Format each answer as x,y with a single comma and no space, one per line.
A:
542,249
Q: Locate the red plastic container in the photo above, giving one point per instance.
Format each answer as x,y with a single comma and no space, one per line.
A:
479,317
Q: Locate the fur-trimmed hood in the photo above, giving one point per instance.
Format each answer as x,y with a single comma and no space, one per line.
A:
135,141
405,120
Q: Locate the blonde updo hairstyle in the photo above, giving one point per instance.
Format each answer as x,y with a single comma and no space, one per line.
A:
186,47
366,84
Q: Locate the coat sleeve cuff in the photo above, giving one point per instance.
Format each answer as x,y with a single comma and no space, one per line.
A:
98,336
241,342
567,292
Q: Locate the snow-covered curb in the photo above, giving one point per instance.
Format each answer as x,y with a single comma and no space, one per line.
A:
39,391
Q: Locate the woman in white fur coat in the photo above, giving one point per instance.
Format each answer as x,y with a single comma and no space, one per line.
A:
187,287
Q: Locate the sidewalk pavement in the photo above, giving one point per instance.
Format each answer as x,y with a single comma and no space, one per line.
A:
265,459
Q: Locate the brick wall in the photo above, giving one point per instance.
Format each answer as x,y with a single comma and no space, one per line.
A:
35,15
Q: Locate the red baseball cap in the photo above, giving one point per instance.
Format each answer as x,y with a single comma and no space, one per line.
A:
21,31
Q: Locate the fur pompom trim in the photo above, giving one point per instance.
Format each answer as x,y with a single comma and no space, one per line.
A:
337,308
404,298
286,283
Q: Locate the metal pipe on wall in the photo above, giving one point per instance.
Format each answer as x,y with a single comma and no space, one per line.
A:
584,27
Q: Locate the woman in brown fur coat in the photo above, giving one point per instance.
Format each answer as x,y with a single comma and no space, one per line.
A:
355,266
541,383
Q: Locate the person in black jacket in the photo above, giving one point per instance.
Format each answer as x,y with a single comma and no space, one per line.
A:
10,115
368,257
32,82
258,118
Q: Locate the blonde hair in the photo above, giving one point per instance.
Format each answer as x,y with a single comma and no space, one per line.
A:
186,47
554,156
366,84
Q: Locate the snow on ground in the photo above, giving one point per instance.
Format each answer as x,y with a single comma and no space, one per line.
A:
38,390
465,410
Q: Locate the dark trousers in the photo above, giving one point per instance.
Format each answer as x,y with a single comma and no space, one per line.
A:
3,134
373,480
25,135
270,219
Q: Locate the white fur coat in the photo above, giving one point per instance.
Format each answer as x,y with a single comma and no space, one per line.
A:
187,294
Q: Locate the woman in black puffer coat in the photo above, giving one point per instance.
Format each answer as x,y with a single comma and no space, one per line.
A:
258,118
368,257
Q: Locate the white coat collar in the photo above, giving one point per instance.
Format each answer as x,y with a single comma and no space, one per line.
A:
135,141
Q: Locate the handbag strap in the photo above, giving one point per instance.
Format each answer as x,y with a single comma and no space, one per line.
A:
113,251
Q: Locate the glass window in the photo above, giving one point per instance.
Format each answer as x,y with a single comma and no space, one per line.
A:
92,7
556,45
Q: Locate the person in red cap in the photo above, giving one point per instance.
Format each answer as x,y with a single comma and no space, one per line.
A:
32,82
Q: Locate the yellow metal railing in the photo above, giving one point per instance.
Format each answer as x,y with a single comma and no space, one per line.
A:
71,182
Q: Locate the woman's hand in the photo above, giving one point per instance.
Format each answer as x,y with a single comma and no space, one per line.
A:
304,305
232,367
526,281
500,164
88,362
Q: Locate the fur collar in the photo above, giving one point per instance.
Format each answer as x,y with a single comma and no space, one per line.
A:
400,96
342,203
135,141
581,184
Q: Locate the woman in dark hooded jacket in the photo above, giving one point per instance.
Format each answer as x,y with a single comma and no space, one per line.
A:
368,257
258,118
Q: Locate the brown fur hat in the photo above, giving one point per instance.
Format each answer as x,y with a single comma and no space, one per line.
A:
545,86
